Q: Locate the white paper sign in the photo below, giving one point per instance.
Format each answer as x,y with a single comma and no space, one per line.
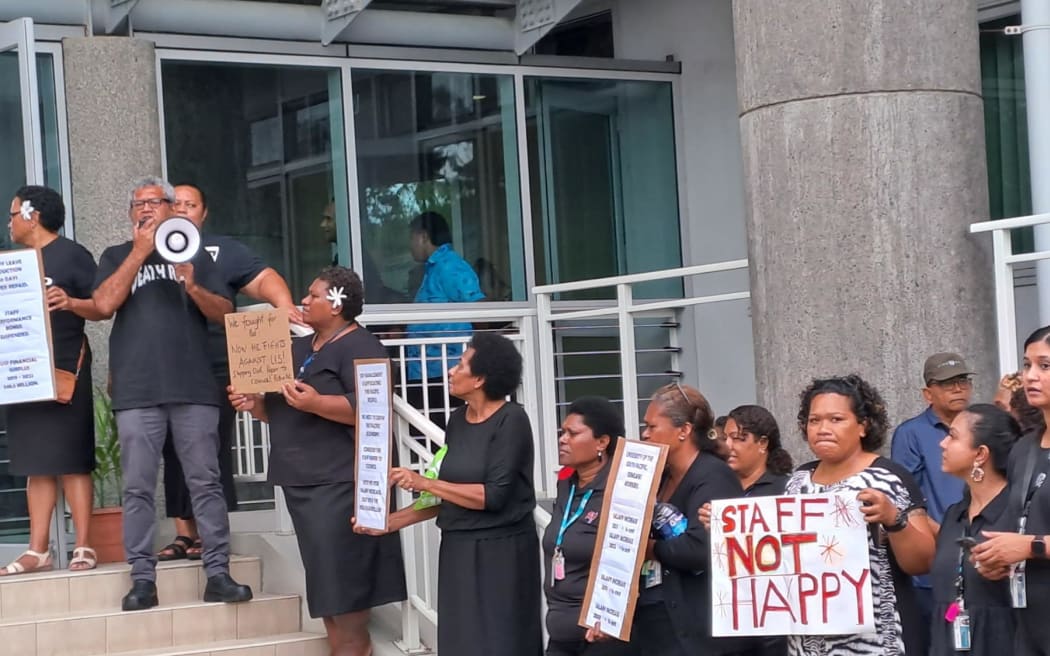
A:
26,360
790,565
612,589
372,468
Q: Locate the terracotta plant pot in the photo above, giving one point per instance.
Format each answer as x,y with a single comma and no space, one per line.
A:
107,534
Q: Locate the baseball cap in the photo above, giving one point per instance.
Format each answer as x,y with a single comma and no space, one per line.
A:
944,366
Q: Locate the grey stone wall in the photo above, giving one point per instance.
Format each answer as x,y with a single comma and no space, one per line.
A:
114,139
864,158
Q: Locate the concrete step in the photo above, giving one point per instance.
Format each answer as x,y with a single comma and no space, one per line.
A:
287,644
61,592
169,626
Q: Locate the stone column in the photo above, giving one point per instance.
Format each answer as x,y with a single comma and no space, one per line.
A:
864,161
114,139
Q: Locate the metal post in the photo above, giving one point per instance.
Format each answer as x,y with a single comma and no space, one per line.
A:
628,363
1005,318
548,381
1035,16
409,642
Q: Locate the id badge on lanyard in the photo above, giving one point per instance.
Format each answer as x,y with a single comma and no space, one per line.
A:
1018,589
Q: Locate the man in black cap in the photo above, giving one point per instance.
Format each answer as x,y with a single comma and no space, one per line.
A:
947,388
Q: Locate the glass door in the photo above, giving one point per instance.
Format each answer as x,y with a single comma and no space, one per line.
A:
23,163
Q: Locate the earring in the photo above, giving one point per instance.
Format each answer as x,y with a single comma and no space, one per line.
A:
599,455
977,472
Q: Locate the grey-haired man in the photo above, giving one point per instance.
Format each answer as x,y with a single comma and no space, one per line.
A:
162,379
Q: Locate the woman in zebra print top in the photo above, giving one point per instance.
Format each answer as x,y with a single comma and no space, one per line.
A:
844,421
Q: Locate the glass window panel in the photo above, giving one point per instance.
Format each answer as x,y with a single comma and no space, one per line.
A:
444,143
266,145
603,177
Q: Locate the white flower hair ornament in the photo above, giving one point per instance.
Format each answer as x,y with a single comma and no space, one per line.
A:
336,296
26,210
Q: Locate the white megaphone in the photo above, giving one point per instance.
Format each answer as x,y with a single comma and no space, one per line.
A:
177,240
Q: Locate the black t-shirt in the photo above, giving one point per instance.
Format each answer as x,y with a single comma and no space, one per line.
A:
767,485
158,347
565,597
1037,570
306,449
979,591
497,452
70,267
238,266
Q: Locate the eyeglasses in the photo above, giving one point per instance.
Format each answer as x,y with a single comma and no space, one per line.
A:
152,202
959,382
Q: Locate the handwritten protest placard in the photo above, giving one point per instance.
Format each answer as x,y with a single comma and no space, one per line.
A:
260,350
27,371
627,512
372,465
790,565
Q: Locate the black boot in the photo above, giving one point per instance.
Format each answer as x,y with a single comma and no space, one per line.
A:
222,587
143,595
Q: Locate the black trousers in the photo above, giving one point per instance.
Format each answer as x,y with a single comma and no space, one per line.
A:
176,494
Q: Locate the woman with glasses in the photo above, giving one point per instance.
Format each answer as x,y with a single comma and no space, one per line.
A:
51,441
586,443
673,613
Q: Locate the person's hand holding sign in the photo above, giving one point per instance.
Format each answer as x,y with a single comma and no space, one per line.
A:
300,396
594,634
704,515
877,507
408,480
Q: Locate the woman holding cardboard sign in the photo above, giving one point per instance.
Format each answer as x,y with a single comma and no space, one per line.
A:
844,421
586,443
56,440
673,615
312,459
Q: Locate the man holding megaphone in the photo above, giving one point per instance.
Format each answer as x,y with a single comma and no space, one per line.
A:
162,380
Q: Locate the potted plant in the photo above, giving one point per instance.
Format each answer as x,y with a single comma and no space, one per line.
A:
107,521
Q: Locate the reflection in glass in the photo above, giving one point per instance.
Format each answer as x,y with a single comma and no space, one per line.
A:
604,180
260,141
443,143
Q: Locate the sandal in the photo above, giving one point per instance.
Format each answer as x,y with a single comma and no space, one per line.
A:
196,550
176,550
43,563
84,558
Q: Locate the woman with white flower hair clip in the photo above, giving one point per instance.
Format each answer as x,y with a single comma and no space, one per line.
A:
53,442
312,459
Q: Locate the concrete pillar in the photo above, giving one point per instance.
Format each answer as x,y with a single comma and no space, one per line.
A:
114,139
864,159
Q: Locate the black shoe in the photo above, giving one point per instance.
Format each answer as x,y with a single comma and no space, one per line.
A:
222,587
143,595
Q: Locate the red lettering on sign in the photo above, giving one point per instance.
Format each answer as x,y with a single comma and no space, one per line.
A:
827,593
807,502
858,585
795,541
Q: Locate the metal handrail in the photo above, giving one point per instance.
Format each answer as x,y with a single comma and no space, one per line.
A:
635,278
1010,224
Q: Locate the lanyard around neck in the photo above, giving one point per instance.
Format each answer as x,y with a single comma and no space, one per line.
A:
313,354
1039,480
566,520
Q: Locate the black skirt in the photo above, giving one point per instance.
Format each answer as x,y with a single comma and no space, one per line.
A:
52,439
345,572
489,594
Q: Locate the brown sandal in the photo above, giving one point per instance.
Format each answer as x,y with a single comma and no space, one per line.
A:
84,558
176,550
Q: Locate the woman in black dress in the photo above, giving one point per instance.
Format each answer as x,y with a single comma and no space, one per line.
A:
586,443
976,450
49,440
312,459
673,615
1020,553
488,564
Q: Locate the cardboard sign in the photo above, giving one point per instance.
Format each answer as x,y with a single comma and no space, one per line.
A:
374,441
790,565
259,346
627,513
27,361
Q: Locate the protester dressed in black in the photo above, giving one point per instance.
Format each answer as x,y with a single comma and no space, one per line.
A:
976,450
587,442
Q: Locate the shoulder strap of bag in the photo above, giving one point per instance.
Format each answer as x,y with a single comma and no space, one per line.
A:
80,360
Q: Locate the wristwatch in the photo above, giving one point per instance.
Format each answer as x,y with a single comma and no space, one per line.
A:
899,525
1038,547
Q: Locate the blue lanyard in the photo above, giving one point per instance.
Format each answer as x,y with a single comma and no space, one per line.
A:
313,354
567,521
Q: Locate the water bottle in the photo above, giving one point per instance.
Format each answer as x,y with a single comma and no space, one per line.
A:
668,522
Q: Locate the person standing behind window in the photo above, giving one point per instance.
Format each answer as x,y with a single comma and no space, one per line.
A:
447,278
